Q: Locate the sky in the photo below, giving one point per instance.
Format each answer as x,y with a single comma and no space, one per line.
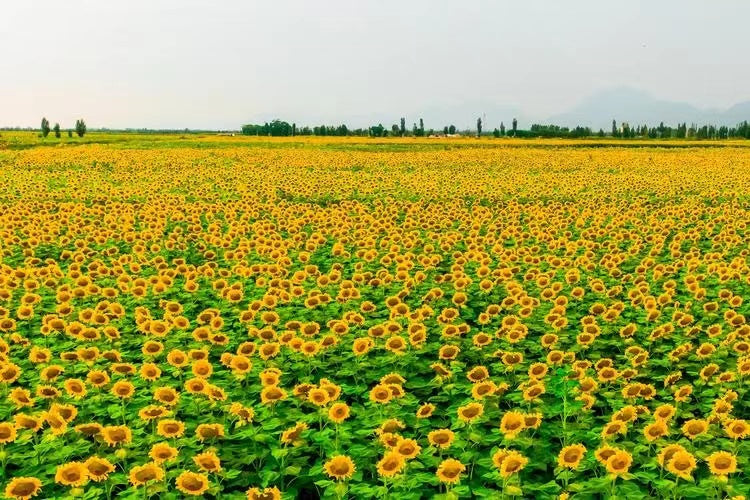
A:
216,64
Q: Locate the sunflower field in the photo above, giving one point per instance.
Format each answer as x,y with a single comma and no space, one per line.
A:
345,318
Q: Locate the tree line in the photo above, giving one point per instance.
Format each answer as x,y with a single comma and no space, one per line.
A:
80,128
280,128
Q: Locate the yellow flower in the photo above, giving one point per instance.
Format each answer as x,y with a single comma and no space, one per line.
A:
143,474
441,438
695,427
391,464
72,474
571,456
470,412
449,471
272,493
682,464
509,462
207,461
338,412
99,468
340,467
512,423
162,452
23,488
191,483
618,464
722,463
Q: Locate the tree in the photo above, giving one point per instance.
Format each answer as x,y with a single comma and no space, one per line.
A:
452,129
70,133
421,128
496,133
45,127
502,129
56,129
403,126
445,130
515,126
614,128
479,127
394,130
80,127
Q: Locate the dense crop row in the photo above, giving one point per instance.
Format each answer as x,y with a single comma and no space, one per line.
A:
342,320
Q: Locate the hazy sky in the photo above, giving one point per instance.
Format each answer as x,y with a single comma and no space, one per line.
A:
218,64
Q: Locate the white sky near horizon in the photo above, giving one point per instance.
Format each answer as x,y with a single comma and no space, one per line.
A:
218,64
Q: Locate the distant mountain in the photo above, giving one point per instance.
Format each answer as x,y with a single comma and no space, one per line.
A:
637,107
622,104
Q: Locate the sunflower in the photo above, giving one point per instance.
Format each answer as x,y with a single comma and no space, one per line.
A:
381,394
340,467
682,464
722,463
272,394
167,396
512,423
736,428
98,378
23,488
666,453
654,431
664,412
426,410
483,389
510,463
338,412
142,474
408,448
150,372
209,431
470,412
207,461
265,494
391,425
694,428
613,428
99,468
21,397
7,432
241,365
244,413
618,464
114,435
441,438
449,471
391,464
90,429
293,434
192,483
603,453
170,428
72,474
570,456
162,452
318,396
196,385
75,388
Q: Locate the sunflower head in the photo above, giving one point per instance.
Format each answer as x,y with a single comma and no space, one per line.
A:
570,456
192,483
23,488
340,467
449,471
